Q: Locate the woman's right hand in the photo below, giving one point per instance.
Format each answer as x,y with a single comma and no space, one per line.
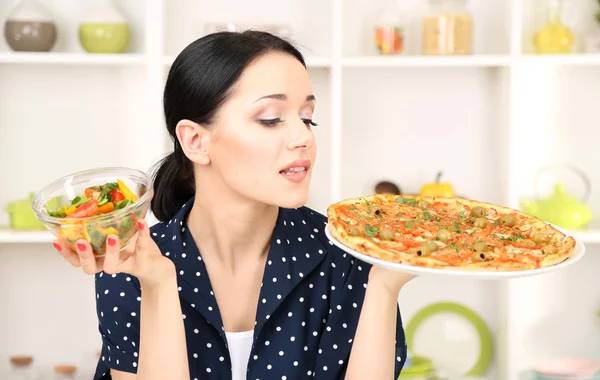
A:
145,261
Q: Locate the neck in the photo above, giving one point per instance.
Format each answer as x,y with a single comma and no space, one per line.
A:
231,231
554,11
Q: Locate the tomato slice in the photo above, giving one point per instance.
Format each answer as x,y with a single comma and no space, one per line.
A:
85,210
117,196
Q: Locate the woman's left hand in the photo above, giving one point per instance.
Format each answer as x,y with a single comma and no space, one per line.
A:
391,280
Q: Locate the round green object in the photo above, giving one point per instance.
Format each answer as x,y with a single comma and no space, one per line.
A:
107,38
485,336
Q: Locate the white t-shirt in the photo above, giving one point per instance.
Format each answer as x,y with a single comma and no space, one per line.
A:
240,345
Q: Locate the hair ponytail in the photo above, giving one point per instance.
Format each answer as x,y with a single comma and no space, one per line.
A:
173,185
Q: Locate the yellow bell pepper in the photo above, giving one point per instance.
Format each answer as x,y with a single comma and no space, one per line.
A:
69,209
126,192
110,230
105,208
70,234
437,188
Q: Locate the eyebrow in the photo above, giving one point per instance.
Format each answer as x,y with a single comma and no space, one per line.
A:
283,97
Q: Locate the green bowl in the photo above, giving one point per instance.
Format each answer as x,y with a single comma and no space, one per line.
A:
107,38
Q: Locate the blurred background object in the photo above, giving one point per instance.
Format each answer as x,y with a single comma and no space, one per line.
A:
386,187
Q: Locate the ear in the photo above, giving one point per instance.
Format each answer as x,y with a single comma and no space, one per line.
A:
193,138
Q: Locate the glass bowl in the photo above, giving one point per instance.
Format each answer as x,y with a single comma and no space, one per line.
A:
93,204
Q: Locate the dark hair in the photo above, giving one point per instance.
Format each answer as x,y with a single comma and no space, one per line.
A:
198,83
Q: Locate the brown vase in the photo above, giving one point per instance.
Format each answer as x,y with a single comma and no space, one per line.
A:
30,27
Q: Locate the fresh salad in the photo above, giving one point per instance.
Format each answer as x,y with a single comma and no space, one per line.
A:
97,201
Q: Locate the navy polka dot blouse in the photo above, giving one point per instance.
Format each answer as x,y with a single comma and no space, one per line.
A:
308,310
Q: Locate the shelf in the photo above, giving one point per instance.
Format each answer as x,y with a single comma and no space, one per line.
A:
71,58
311,62
562,60
427,61
316,62
8,236
490,61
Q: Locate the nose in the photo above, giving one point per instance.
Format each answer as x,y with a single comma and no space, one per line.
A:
302,136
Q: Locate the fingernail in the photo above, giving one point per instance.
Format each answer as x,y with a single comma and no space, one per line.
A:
111,241
140,225
81,247
57,246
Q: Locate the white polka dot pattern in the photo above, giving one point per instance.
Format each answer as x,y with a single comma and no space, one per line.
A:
307,315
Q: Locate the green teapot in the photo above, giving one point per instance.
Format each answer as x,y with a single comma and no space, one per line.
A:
22,216
562,209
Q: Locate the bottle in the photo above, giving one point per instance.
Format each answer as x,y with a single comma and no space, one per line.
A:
554,37
21,368
65,372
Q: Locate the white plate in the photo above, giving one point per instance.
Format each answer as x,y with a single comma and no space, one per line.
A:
489,275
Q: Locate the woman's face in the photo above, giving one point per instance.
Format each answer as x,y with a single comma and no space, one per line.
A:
261,144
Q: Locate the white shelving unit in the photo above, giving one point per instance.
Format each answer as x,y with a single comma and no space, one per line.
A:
489,121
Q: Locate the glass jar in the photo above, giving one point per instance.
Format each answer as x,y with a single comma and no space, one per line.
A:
389,32
448,28
20,368
65,372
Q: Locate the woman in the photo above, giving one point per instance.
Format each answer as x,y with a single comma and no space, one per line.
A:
239,280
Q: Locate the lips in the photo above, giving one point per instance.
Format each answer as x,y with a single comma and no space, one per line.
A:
296,171
296,167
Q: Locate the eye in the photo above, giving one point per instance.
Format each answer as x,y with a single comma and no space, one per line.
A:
309,123
270,122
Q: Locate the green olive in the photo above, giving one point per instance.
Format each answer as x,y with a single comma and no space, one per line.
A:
424,250
480,247
433,247
478,256
353,231
478,211
549,250
423,204
424,216
540,238
386,234
480,223
507,220
443,235
374,209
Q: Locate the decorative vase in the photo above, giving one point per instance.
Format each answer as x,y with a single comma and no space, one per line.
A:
104,29
30,27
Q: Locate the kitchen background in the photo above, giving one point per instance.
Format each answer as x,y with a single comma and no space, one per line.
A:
499,96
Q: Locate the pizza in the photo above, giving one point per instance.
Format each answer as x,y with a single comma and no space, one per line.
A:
446,233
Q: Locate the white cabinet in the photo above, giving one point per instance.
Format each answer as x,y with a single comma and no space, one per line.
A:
489,121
